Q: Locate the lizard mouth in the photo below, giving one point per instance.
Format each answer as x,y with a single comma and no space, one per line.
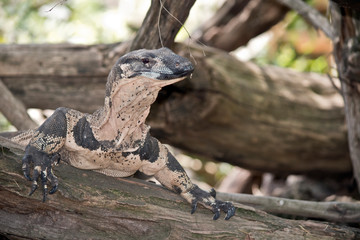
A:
163,83
177,75
167,76
182,70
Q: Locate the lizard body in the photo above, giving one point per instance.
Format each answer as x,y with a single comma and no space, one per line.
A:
115,140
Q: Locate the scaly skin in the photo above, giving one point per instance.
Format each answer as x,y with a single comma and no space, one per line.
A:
115,139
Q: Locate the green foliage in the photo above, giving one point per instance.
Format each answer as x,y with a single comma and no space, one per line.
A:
298,46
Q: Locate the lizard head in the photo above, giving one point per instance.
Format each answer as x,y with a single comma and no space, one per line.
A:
159,67
159,64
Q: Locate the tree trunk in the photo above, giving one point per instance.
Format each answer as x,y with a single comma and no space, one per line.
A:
160,30
90,205
262,118
237,22
347,55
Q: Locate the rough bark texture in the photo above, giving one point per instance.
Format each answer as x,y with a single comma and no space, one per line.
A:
165,24
347,55
237,22
90,205
261,118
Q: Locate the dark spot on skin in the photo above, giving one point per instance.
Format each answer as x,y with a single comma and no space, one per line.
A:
173,164
148,152
84,136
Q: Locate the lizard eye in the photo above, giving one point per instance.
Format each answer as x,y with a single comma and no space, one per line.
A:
145,60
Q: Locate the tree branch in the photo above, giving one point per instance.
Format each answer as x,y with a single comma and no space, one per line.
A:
14,110
237,22
159,28
312,16
332,211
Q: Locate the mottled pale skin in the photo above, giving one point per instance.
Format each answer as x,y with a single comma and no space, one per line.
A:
115,139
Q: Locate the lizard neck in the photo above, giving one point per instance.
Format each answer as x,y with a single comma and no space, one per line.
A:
122,119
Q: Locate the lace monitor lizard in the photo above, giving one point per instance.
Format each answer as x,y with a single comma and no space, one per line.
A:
115,140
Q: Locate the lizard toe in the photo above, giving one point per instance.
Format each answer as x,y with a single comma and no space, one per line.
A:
193,206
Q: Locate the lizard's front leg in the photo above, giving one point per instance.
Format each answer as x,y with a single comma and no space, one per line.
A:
43,150
174,177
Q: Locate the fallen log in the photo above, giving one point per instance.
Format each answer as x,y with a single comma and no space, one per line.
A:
90,205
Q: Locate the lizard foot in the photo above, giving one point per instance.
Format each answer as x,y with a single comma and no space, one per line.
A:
42,168
207,199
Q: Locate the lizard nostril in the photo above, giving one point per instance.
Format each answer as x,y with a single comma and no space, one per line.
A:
177,64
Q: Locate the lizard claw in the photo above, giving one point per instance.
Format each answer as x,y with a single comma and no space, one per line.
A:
54,181
231,212
25,166
227,207
33,188
208,200
34,185
193,206
213,193
43,181
42,168
53,189
216,215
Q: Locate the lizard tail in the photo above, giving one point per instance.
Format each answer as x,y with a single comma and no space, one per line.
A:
21,138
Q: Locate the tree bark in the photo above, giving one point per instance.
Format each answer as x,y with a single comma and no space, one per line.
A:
261,118
347,55
90,205
14,110
237,22
161,24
